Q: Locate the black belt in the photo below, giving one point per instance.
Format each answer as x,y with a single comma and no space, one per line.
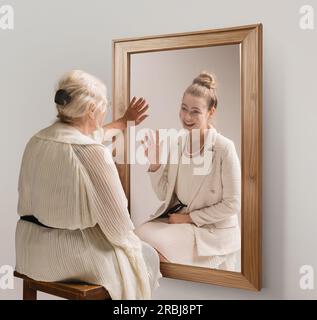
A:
175,208
34,220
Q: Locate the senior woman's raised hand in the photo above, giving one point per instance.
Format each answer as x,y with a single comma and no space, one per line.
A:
136,111
134,114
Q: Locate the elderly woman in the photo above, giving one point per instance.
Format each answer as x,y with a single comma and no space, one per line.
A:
74,220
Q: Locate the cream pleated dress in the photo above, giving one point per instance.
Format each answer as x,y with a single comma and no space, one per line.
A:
69,182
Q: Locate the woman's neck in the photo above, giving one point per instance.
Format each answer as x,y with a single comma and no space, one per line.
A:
197,140
83,128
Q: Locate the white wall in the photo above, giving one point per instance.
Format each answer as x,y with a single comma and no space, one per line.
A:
54,36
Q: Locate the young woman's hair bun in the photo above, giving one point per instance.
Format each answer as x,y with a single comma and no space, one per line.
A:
205,79
204,85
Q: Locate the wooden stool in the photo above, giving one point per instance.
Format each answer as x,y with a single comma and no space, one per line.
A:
70,291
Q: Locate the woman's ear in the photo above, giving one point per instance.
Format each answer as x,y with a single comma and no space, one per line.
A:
211,112
91,111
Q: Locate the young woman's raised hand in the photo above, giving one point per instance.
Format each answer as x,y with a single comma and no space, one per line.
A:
152,147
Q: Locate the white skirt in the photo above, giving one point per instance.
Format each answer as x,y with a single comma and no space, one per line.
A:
176,242
46,254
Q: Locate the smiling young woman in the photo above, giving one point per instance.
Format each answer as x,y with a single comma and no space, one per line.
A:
197,228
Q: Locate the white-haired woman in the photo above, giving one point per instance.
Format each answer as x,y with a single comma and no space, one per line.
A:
74,220
198,222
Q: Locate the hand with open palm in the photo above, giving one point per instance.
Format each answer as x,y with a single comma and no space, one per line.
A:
152,149
136,111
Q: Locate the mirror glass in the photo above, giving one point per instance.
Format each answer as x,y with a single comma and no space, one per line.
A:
212,199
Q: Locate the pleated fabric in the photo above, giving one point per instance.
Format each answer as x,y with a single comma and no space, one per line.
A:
69,181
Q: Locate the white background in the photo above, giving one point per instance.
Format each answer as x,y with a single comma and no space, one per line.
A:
52,37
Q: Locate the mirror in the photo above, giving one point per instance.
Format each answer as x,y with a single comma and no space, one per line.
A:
163,84
199,205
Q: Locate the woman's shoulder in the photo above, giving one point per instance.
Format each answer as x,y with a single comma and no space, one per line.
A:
65,133
223,143
90,150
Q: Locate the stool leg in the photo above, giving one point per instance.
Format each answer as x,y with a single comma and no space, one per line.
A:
28,292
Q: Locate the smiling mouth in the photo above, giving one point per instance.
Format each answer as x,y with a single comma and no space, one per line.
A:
188,125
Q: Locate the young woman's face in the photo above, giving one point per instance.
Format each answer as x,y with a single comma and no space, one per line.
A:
194,112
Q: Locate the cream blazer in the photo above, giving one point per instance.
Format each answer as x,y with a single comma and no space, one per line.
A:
216,200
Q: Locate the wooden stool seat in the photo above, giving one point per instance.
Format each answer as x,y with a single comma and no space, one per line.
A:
70,290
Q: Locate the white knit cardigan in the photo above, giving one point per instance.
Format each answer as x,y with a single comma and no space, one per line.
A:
56,189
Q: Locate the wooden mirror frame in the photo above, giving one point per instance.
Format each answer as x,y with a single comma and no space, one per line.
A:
250,39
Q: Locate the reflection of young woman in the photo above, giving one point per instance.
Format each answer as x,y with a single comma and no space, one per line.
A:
205,232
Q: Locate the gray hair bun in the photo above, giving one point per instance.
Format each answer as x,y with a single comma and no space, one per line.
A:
205,79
